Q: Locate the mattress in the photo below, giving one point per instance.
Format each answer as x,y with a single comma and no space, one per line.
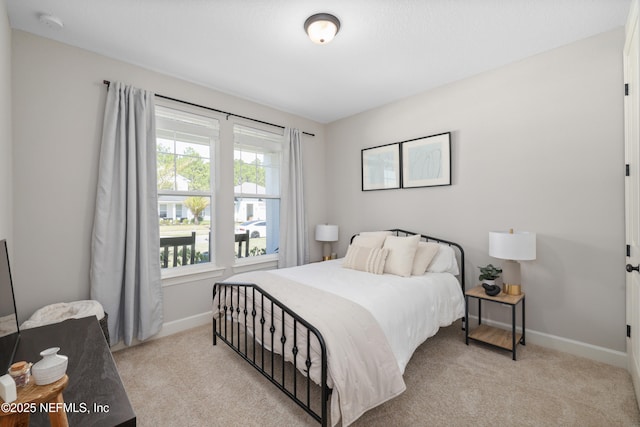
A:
408,309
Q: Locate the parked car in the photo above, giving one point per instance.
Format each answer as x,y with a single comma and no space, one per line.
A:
244,226
257,228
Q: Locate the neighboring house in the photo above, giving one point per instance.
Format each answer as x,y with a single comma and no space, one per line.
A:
171,207
247,209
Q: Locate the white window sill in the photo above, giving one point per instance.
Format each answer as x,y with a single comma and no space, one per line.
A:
190,273
255,263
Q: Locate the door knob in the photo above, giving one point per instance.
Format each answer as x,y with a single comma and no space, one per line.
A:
630,268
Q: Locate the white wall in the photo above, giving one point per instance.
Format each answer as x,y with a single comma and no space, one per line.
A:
58,111
6,174
537,146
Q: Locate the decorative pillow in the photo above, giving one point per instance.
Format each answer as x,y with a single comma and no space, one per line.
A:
402,250
445,261
371,239
424,255
361,258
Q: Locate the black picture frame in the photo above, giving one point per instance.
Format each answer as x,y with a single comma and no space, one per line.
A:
381,167
426,161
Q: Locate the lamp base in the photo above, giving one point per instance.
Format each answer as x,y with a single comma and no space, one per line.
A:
511,289
326,251
511,277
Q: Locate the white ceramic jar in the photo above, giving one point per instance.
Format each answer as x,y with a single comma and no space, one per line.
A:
51,368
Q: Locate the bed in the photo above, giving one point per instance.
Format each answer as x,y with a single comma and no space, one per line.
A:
337,335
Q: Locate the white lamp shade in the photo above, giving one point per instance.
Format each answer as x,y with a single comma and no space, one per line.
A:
326,233
518,246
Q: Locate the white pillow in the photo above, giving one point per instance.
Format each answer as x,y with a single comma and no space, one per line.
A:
424,255
445,261
371,260
402,251
371,239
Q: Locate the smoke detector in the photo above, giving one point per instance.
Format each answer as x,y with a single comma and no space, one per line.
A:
51,21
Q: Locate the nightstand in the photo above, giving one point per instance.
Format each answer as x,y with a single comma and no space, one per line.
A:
496,337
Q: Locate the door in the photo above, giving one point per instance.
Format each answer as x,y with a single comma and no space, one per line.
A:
632,191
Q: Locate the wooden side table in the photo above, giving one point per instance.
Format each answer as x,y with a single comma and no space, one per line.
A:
30,398
496,337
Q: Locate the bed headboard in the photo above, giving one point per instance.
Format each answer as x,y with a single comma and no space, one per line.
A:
426,238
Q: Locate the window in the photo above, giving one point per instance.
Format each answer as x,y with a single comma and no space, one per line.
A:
163,210
185,143
179,211
256,167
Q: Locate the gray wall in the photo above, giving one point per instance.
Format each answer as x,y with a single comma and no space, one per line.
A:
537,146
58,110
6,180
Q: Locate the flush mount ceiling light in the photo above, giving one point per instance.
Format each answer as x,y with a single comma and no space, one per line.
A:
322,27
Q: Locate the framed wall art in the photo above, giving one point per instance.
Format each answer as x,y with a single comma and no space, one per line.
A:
381,167
426,162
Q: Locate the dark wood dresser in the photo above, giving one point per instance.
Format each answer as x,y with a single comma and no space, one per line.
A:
95,395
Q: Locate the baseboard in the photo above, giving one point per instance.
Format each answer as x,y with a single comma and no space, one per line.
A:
577,348
635,373
172,327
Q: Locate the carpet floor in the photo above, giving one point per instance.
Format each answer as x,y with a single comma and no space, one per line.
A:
182,380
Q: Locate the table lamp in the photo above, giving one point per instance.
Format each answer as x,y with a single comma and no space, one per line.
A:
326,233
512,247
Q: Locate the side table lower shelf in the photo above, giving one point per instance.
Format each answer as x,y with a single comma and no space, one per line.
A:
502,338
494,336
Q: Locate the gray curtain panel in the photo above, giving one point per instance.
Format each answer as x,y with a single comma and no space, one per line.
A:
294,242
125,247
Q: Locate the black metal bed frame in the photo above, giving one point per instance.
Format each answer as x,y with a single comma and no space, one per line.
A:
230,315
231,309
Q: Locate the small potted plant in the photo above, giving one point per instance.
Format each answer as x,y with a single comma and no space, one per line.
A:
489,274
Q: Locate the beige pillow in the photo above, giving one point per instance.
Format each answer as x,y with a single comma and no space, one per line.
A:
424,255
371,239
371,260
402,251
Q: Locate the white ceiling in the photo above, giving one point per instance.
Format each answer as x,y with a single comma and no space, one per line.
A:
257,49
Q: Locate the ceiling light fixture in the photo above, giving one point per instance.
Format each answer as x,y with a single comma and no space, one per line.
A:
322,27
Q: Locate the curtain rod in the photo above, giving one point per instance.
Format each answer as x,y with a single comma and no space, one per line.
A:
108,83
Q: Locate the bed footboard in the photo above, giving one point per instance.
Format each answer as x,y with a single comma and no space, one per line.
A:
267,334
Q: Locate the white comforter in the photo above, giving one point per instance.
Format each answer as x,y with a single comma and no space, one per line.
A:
408,309
362,369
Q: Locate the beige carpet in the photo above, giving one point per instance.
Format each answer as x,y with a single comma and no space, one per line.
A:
183,380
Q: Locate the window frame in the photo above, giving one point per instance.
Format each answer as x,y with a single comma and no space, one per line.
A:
267,260
210,269
221,206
